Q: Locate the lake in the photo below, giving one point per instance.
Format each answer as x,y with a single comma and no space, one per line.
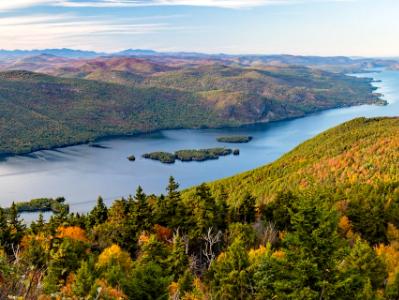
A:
82,173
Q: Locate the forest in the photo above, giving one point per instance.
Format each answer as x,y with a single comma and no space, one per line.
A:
91,99
303,227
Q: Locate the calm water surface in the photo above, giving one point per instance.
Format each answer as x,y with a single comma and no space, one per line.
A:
81,173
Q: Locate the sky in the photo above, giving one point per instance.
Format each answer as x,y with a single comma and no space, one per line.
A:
301,27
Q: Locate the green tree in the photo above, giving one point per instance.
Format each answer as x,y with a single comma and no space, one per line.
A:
177,260
230,274
204,209
175,212
140,213
147,282
99,213
311,251
84,279
278,211
5,234
16,227
246,211
361,273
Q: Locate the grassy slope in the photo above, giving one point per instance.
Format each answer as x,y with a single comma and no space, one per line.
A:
41,111
362,151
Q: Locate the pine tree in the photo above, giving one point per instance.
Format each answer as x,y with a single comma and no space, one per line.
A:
177,261
16,226
230,276
307,267
222,209
99,213
204,209
247,209
84,280
141,212
4,229
174,208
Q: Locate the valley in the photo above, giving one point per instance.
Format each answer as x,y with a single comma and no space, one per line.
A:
84,100
91,170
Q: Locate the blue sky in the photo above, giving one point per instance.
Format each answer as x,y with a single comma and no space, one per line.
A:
307,27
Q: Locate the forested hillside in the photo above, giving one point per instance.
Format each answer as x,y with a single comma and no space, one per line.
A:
362,152
120,96
322,222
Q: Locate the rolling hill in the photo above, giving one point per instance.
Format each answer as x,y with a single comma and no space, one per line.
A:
362,153
107,96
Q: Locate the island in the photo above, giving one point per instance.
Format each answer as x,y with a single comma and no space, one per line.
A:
190,155
41,205
202,154
131,158
163,157
234,139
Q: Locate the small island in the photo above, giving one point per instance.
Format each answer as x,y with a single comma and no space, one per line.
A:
41,205
131,158
163,157
190,155
202,154
236,152
234,139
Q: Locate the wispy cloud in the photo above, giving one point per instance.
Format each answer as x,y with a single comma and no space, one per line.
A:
16,4
136,3
70,31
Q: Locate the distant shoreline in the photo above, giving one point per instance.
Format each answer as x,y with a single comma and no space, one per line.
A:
97,141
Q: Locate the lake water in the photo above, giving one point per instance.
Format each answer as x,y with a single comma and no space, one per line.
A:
81,173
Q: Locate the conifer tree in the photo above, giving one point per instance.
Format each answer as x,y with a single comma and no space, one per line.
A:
99,213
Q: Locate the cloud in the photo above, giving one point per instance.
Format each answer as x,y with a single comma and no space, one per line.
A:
65,30
16,4
136,3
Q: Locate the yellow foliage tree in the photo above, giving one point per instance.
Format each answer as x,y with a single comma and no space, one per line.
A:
114,254
72,232
390,255
256,254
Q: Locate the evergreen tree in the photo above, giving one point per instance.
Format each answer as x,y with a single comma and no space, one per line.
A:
278,211
5,234
230,275
174,207
84,279
177,261
16,226
99,213
147,282
311,250
361,272
222,209
247,209
204,209
38,226
141,213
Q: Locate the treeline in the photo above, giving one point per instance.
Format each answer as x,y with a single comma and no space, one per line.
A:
191,155
110,102
310,245
40,205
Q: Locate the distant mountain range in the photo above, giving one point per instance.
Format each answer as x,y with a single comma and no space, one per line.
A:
324,62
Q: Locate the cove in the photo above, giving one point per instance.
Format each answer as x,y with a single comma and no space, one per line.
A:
82,173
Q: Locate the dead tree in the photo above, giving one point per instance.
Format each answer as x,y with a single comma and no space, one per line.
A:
211,239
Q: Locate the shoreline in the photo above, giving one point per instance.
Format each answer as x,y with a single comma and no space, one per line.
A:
379,101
